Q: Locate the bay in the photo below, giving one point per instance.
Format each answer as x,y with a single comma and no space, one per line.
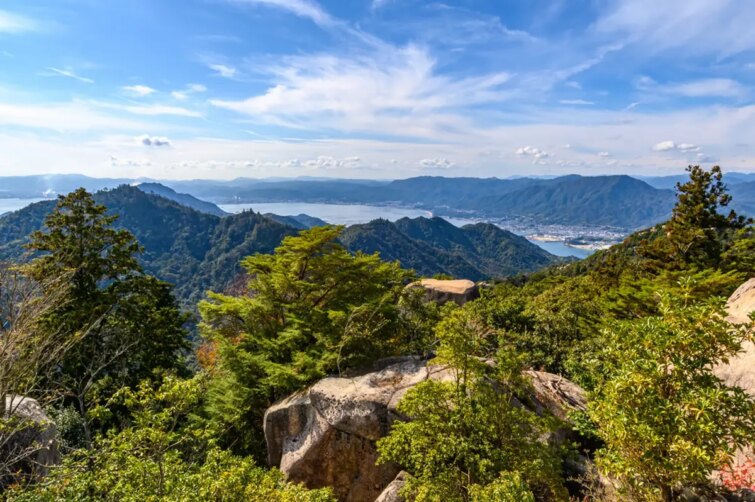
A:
8,205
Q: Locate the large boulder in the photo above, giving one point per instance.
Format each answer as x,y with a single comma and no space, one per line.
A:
31,439
392,492
460,291
740,370
327,434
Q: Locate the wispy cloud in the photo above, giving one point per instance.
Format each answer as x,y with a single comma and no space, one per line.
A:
223,70
154,110
65,117
396,90
302,8
184,93
139,90
65,72
577,102
377,4
15,23
692,26
703,88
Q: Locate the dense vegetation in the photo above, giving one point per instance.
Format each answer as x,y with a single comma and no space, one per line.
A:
197,251
639,326
433,246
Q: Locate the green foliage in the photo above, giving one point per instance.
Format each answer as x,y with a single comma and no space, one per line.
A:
434,246
508,487
697,229
193,251
126,324
740,255
313,309
546,322
666,420
464,433
161,456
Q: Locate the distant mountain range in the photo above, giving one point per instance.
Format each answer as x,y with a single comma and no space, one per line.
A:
621,202
197,251
182,198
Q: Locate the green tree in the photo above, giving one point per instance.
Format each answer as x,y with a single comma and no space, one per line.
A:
126,324
161,455
697,227
666,419
466,439
312,309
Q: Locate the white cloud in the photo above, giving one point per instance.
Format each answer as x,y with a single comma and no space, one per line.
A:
395,90
440,163
538,156
224,71
328,162
156,141
138,90
578,102
65,72
664,146
64,117
687,147
183,94
604,154
703,88
682,25
14,23
302,8
152,110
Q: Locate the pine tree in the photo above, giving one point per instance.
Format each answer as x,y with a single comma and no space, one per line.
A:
128,323
698,226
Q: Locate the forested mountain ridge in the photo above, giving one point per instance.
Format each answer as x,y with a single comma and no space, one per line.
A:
433,245
197,251
193,250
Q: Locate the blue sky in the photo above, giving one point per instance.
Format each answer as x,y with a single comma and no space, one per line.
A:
375,88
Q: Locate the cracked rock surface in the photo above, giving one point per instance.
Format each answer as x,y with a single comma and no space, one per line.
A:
326,435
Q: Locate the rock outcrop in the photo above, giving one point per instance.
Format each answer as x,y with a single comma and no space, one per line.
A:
460,291
392,491
32,437
327,434
740,371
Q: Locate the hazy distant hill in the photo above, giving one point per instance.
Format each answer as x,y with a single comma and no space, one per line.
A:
197,251
34,186
617,201
432,246
299,221
182,198
669,182
622,201
743,197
